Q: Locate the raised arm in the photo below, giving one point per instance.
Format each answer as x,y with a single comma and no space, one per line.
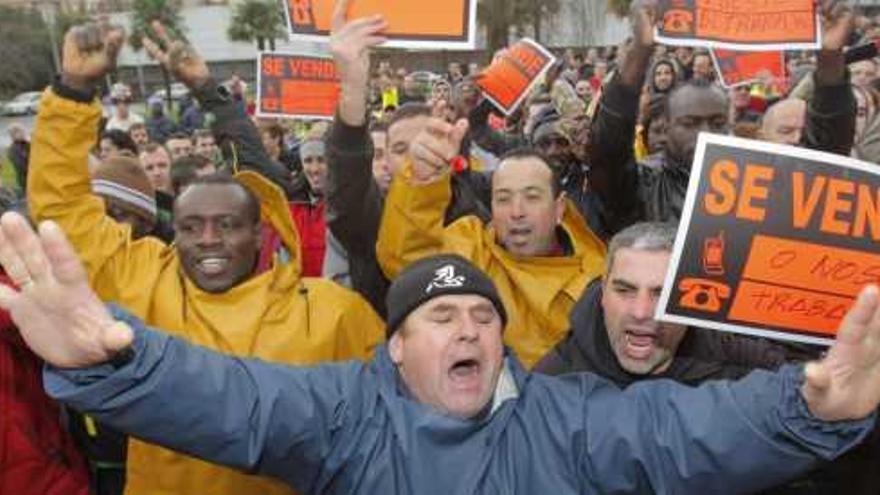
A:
613,168
412,221
236,134
354,202
59,186
831,111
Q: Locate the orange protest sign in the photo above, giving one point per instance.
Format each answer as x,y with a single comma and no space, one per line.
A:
756,25
739,68
439,24
513,74
774,240
296,86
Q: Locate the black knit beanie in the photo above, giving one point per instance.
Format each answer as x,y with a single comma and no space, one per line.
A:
434,277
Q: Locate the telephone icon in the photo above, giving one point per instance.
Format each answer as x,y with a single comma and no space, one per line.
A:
678,21
702,295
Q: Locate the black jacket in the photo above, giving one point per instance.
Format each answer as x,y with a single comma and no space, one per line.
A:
354,206
702,355
629,193
708,355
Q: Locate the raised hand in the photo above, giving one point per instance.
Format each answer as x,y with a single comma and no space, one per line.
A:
350,44
433,149
89,53
643,17
178,57
845,385
57,313
838,22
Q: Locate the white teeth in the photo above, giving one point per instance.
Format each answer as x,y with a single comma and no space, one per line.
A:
213,265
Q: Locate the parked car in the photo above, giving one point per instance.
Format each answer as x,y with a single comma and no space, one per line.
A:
23,104
178,92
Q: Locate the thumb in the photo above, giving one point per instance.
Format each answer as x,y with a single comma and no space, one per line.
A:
117,337
459,131
817,375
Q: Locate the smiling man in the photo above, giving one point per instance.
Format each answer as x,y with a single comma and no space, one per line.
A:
210,287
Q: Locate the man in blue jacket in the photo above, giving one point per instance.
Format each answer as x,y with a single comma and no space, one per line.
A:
443,409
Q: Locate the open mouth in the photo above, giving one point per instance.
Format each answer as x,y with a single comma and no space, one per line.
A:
464,369
640,345
212,266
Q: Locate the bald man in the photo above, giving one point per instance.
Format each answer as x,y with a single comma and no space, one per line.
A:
784,122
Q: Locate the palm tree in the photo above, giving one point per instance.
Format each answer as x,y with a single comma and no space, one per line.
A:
619,7
144,12
256,20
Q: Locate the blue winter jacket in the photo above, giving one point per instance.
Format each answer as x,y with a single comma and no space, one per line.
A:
353,429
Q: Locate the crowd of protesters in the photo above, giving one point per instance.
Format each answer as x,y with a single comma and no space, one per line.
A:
302,244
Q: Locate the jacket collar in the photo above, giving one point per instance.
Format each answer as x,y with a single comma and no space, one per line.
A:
593,344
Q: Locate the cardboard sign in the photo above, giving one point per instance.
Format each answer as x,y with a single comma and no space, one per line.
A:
756,25
437,24
511,76
774,240
296,86
740,68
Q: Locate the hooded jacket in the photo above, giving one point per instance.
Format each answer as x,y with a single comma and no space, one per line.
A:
353,428
276,315
702,354
705,355
538,292
37,456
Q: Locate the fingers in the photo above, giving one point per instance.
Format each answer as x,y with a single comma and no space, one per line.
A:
155,51
340,13
458,132
8,296
161,33
855,324
10,258
28,247
114,38
65,264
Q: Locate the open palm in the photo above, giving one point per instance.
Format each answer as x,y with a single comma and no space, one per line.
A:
57,313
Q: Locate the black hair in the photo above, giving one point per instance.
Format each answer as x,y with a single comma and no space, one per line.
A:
691,84
121,140
526,152
252,203
408,111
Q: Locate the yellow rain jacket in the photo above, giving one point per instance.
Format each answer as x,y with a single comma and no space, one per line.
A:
277,315
538,292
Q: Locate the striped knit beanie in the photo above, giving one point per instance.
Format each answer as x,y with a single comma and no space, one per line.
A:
121,177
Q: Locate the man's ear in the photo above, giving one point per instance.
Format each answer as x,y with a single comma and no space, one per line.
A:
395,348
560,207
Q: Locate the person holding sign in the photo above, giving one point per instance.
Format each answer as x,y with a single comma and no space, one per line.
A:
629,192
444,408
207,287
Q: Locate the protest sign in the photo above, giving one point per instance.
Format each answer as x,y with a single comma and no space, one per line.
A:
756,25
438,24
296,86
774,240
513,74
740,68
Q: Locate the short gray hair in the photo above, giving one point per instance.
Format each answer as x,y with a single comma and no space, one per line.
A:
645,236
